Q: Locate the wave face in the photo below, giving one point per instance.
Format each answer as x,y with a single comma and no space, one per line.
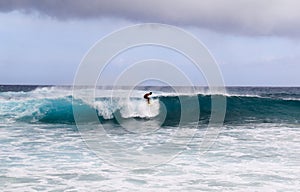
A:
54,105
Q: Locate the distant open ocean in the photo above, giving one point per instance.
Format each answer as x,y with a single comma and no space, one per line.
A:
257,149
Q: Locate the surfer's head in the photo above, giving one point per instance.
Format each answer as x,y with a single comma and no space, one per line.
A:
150,93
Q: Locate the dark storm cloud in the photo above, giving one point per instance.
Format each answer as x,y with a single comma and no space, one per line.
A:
248,17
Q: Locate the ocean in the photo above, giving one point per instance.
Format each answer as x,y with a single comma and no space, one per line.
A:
46,146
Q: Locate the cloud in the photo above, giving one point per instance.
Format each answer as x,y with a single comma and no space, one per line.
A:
244,17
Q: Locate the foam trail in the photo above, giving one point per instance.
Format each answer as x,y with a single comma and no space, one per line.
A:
139,108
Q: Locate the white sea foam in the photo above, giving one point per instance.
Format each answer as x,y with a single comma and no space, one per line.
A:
253,157
128,108
139,108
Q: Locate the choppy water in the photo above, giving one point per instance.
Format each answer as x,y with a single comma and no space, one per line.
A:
258,147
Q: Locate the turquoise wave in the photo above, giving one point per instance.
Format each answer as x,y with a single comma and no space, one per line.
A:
239,109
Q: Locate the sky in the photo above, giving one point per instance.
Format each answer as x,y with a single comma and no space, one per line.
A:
254,42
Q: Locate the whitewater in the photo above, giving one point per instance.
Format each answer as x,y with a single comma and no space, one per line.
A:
42,149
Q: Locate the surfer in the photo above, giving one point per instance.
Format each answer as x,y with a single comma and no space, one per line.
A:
146,96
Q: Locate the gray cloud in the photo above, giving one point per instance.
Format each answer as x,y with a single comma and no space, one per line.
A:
246,17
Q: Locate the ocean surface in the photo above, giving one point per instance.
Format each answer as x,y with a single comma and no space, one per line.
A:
44,147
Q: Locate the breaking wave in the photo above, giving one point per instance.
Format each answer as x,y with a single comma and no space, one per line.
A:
54,105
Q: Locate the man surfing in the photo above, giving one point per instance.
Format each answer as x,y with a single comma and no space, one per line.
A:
146,96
